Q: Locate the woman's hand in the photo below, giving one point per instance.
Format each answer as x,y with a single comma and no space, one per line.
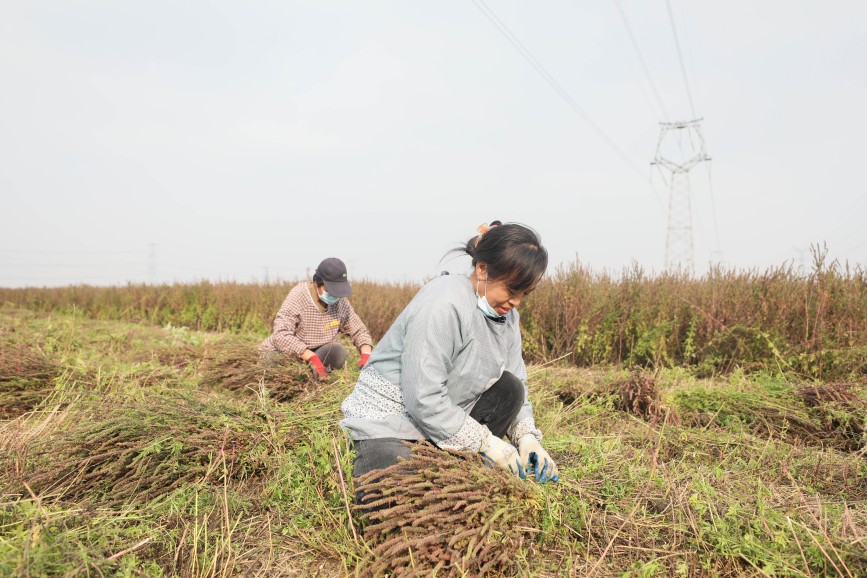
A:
318,368
534,455
502,454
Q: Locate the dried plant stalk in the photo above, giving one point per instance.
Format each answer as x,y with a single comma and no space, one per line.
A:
445,513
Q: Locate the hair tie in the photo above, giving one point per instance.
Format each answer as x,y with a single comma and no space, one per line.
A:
482,229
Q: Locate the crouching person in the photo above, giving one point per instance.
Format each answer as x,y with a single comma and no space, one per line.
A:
310,319
449,370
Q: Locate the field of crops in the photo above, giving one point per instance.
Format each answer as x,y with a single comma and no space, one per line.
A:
702,428
814,325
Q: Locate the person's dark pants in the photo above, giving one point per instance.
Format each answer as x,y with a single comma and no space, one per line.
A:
497,408
332,356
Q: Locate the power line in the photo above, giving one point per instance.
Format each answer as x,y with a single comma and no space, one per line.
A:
537,66
66,279
853,247
848,213
713,207
839,227
680,57
52,252
641,58
152,261
692,109
71,265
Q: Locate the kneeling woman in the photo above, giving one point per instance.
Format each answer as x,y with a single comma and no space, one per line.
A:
311,317
450,371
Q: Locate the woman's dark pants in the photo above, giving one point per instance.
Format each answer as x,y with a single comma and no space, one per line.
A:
332,356
497,408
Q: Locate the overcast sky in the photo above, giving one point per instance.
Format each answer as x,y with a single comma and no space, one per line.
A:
160,141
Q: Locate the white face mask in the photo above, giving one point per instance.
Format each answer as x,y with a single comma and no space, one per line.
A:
328,298
485,306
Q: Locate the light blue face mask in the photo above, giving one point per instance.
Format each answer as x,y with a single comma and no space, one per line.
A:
485,306
328,298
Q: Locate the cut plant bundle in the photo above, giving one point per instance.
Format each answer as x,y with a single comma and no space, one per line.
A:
639,395
445,513
235,366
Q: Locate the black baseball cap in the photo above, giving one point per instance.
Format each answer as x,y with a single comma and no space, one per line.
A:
332,271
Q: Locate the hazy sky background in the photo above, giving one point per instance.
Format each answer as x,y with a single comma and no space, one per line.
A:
245,139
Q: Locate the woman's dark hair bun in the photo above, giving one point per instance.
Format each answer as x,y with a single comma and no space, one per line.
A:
513,253
470,249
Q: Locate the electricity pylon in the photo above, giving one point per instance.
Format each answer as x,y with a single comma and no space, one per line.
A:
679,254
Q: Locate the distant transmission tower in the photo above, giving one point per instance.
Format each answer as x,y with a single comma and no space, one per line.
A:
679,253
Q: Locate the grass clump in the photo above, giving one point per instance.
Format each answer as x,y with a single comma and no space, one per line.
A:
113,451
842,410
26,377
40,539
446,514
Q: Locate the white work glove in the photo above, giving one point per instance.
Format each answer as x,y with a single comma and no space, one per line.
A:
502,454
533,455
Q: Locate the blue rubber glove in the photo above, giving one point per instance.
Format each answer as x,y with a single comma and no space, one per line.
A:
502,454
534,456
